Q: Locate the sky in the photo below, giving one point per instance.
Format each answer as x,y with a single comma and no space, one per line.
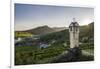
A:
28,16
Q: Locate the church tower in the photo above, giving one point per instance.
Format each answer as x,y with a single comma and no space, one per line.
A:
74,34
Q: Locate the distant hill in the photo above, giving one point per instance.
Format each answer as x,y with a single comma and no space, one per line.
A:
86,34
62,33
42,30
59,28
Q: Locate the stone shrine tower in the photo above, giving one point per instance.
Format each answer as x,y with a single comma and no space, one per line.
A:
74,34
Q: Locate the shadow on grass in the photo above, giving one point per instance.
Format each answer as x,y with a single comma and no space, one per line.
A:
71,58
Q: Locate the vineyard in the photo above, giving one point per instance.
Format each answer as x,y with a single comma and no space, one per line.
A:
30,55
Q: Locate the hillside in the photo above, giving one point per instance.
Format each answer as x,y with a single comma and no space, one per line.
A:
40,30
59,28
62,33
86,34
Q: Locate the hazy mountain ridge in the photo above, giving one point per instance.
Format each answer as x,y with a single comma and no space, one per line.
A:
43,30
85,30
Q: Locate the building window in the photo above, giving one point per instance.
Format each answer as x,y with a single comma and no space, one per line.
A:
76,28
70,28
